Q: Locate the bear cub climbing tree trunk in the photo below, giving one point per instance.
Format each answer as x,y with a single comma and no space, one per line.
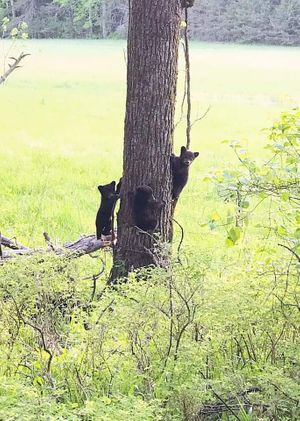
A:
153,42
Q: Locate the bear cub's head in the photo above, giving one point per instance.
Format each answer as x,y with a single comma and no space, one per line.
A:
187,157
108,191
146,208
144,194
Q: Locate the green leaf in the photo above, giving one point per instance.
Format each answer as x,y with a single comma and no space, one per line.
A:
234,234
215,217
297,234
285,196
14,32
281,230
229,242
38,381
245,204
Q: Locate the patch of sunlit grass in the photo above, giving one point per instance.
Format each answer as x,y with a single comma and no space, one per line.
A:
62,120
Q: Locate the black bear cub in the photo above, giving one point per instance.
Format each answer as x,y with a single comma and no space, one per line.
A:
104,216
180,169
146,208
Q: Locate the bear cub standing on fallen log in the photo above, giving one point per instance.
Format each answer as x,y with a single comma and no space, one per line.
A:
109,196
146,208
180,170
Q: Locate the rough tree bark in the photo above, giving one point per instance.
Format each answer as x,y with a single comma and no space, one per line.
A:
152,64
104,19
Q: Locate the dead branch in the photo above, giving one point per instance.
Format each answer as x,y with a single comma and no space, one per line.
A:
201,117
232,404
6,242
12,66
291,251
85,245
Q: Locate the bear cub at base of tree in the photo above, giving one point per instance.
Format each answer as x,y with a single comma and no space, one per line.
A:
146,208
109,197
180,169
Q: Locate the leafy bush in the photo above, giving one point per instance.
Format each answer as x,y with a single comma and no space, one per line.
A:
215,338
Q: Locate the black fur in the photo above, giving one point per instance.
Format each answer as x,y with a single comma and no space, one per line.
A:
187,3
180,170
104,215
146,208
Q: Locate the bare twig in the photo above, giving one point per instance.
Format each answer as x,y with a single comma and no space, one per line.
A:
226,406
170,316
40,331
201,117
95,278
181,241
48,241
291,251
12,66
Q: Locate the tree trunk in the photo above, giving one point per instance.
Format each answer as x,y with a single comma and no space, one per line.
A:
90,20
13,12
153,42
104,19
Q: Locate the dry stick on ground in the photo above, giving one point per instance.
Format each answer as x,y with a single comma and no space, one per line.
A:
11,67
7,242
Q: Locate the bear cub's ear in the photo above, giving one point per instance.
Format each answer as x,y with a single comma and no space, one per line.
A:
113,184
196,154
100,188
183,150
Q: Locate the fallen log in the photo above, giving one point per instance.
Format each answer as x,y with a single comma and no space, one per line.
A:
86,244
7,242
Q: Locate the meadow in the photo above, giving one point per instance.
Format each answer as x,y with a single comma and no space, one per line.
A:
222,327
62,120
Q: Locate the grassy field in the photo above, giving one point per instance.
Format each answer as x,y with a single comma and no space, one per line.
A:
223,324
62,128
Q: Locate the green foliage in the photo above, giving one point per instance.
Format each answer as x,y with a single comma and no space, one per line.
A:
249,21
110,356
17,32
20,401
156,349
275,183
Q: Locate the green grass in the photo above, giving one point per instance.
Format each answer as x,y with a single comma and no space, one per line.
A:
62,120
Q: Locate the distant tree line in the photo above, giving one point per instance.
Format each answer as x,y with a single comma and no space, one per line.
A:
245,21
